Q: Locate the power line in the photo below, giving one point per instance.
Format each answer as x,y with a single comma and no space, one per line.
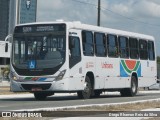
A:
85,3
105,9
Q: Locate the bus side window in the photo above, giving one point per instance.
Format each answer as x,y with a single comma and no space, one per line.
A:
133,45
88,45
151,52
100,44
123,47
112,46
143,49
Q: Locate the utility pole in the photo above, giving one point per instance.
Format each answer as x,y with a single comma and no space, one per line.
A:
17,12
99,13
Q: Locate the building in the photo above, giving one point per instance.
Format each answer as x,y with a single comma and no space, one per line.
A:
4,18
27,11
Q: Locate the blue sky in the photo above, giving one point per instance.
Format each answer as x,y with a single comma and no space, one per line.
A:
141,16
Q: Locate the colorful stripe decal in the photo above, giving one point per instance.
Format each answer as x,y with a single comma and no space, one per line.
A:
129,66
34,79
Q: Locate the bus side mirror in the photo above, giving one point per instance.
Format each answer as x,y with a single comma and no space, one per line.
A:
6,47
6,44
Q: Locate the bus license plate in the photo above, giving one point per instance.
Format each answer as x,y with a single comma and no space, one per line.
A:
36,89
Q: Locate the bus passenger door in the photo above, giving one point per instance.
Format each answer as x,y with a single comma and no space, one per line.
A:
75,64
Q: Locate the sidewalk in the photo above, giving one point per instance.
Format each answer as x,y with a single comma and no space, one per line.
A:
4,83
4,87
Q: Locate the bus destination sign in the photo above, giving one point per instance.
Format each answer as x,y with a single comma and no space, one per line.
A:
40,28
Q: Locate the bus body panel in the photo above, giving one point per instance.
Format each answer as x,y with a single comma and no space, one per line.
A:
149,73
100,73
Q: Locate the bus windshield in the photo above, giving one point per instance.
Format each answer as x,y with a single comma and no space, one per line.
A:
39,51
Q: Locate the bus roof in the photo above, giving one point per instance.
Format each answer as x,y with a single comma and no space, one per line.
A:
79,25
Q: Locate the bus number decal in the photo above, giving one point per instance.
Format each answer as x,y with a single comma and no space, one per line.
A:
27,29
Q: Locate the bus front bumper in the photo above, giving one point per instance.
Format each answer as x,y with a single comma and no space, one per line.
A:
38,86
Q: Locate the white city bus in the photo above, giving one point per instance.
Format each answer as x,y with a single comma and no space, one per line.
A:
60,57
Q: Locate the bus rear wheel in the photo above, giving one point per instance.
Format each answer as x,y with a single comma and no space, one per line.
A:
86,93
130,92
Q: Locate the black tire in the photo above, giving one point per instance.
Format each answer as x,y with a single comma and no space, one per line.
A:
130,92
96,93
123,92
86,93
40,96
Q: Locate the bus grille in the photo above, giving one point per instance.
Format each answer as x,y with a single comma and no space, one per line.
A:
30,86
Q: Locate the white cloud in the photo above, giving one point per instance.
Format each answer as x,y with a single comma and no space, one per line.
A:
46,9
155,1
136,8
50,10
147,8
153,9
50,4
120,8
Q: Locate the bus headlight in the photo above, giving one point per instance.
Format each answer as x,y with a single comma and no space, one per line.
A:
13,76
61,75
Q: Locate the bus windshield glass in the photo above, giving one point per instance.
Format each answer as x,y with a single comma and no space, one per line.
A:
39,47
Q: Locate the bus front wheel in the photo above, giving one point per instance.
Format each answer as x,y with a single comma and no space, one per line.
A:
86,93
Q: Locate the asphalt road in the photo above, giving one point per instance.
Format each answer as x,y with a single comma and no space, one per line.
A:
20,103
